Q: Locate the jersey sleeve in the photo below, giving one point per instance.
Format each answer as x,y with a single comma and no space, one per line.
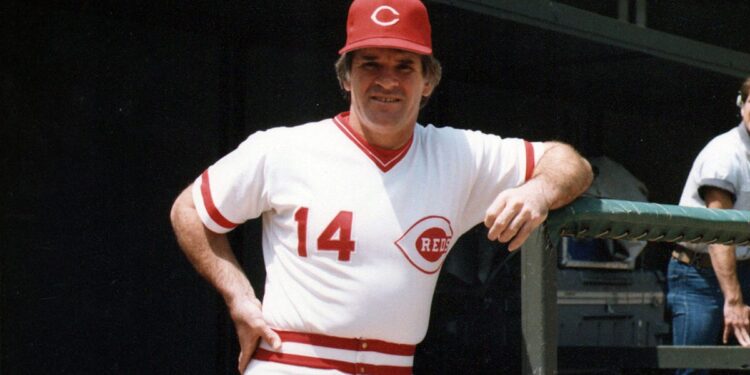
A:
716,167
234,189
500,164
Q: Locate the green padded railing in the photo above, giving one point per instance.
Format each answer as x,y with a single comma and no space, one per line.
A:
617,219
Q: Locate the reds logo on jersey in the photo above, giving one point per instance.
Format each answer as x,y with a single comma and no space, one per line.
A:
426,243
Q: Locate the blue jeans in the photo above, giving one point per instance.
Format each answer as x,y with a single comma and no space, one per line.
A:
697,305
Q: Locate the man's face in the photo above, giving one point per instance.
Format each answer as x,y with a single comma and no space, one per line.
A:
745,111
386,86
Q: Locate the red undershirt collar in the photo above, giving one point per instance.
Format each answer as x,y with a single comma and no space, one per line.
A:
384,158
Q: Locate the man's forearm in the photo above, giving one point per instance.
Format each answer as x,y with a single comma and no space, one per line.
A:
562,173
210,253
723,258
724,262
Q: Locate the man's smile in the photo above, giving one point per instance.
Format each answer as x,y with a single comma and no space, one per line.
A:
385,99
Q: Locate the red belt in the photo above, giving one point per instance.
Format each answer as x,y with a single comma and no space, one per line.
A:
348,355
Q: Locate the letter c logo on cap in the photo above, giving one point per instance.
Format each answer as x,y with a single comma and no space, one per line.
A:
393,18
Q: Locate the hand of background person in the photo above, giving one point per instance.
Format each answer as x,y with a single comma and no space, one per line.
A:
515,213
737,321
250,326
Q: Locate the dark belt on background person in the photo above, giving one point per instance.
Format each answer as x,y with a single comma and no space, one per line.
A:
693,258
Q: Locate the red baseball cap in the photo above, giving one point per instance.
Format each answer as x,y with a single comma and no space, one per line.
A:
401,24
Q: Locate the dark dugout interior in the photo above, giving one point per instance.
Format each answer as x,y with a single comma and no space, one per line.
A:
110,108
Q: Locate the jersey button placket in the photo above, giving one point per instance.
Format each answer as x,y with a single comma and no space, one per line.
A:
361,346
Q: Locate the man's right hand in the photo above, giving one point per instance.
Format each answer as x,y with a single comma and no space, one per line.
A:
737,321
250,326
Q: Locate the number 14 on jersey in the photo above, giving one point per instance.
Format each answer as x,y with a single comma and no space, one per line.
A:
341,223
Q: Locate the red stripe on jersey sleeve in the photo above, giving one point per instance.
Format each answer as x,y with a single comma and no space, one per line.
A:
213,212
529,160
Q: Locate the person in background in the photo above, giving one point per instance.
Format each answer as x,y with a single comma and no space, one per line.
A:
708,284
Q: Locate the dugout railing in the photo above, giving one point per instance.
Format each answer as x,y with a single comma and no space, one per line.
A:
617,219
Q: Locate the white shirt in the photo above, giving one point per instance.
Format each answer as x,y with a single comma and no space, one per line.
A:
353,241
724,163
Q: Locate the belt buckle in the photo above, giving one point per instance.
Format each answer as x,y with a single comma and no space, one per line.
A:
690,257
694,259
698,259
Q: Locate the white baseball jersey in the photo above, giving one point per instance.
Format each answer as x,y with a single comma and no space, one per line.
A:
724,163
354,236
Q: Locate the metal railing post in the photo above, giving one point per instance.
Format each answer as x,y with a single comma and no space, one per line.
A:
539,305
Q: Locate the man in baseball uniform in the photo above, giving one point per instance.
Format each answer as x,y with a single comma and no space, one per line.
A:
360,210
707,282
